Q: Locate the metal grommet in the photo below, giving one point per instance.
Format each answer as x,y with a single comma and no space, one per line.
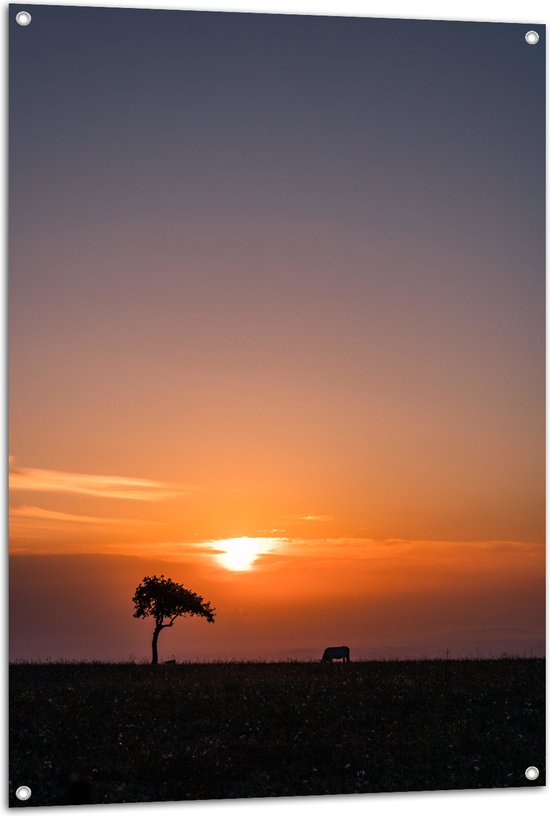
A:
531,38
23,793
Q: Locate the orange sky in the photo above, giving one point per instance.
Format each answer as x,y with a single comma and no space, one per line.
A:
81,543
389,599
399,510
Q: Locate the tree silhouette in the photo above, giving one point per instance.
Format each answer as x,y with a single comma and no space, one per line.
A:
165,600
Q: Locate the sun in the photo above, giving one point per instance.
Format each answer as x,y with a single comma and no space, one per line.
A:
239,554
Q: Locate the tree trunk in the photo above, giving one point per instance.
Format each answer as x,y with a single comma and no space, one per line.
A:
156,634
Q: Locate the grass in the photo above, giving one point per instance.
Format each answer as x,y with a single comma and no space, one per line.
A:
105,733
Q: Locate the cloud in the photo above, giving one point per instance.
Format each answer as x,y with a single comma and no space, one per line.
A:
41,514
107,487
310,518
411,551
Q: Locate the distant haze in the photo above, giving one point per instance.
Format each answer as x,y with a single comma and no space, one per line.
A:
276,312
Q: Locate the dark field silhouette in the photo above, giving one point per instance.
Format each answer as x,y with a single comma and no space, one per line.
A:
91,733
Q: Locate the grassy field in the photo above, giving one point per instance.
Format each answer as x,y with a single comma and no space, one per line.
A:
130,733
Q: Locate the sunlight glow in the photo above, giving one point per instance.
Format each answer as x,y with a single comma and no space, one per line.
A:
239,554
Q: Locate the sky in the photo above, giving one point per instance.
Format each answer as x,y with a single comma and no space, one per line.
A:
276,318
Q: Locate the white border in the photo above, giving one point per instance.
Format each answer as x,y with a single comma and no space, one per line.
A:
530,11
507,802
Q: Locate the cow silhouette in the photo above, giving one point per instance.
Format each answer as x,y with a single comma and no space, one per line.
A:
169,662
335,653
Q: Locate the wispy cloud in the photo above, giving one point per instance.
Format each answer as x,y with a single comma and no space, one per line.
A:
360,549
107,487
311,517
41,514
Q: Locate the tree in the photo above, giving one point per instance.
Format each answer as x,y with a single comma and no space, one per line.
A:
164,600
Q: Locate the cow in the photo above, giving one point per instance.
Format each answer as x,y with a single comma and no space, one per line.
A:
169,662
336,653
